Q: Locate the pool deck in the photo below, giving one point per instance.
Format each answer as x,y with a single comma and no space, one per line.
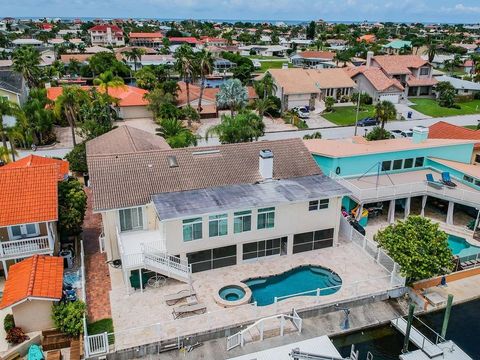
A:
142,318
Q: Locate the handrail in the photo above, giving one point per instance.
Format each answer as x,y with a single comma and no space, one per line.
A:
24,246
166,259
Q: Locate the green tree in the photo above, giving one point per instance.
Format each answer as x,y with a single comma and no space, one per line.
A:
157,99
77,158
107,80
135,55
419,246
26,60
7,108
244,127
146,78
385,111
72,204
68,106
431,50
266,86
265,105
39,119
446,94
311,30
232,95
186,66
176,135
377,133
205,65
96,115
329,102
68,317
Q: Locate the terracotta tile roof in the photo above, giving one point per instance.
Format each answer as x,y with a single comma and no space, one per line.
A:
34,160
189,40
125,140
375,76
352,147
399,64
468,63
143,35
317,54
38,277
369,38
209,94
104,27
127,95
444,130
120,181
412,81
28,194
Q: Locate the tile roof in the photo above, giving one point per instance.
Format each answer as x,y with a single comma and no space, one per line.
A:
125,140
125,180
38,277
357,147
317,54
399,64
28,194
189,40
375,76
104,27
209,94
127,95
144,35
63,166
11,81
412,81
66,58
369,38
444,130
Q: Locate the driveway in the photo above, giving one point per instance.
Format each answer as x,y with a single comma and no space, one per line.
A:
404,109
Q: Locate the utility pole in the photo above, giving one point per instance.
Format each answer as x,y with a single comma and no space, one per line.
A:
358,110
446,317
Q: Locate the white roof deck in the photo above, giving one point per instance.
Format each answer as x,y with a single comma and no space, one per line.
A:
406,184
131,245
319,346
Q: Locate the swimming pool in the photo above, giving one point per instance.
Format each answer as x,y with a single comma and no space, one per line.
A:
461,247
297,280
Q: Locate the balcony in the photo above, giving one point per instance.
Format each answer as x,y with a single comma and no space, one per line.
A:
384,187
21,248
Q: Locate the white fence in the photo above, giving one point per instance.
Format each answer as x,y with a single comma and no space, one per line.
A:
97,344
25,246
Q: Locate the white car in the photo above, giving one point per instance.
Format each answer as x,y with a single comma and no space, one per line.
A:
396,134
407,133
302,112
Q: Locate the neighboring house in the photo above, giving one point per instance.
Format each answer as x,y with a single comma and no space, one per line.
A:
190,207
150,40
264,50
33,286
194,42
394,172
3,26
147,59
13,86
471,48
368,38
221,66
469,66
439,60
376,83
28,209
313,59
212,41
462,87
305,87
27,42
397,46
131,100
444,130
106,34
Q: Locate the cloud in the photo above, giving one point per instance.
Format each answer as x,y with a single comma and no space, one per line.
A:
467,9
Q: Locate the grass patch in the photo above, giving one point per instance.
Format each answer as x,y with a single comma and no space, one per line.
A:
265,65
431,108
471,127
100,326
260,57
345,115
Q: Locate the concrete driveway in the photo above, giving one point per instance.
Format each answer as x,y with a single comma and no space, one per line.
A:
404,109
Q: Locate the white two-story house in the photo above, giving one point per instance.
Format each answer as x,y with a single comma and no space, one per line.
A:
194,209
106,34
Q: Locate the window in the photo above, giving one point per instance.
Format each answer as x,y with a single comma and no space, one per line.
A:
397,164
23,231
386,165
218,225
477,158
263,248
266,218
312,240
192,229
318,204
468,178
213,258
419,161
408,163
242,221
131,219
424,71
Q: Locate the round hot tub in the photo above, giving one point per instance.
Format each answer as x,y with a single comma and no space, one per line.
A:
233,295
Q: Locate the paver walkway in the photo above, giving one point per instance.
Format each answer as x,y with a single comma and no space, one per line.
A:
97,275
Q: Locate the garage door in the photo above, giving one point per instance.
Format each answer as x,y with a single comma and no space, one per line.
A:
393,98
135,112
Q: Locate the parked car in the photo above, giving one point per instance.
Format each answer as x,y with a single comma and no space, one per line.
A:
368,121
407,133
302,112
396,134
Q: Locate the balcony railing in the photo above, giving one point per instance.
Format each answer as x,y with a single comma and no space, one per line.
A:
25,247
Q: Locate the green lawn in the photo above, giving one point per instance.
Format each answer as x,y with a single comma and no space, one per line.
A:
471,127
345,115
431,108
259,57
100,326
265,65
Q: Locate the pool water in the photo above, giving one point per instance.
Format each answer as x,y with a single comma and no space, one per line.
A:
461,247
231,293
298,280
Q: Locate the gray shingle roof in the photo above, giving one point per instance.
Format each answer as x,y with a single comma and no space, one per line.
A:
11,81
131,179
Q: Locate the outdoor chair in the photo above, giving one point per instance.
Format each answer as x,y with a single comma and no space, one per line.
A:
184,310
434,183
446,179
172,299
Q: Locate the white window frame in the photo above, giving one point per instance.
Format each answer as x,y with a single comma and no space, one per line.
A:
241,215
217,219
190,223
23,230
133,228
321,204
267,212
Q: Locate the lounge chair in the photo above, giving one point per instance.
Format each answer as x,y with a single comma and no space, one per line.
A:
447,180
434,183
183,310
172,299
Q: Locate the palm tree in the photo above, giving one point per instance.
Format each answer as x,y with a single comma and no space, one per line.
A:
7,108
38,117
185,65
232,95
26,61
176,135
14,135
244,127
135,55
68,105
266,86
262,105
204,65
385,111
107,80
5,154
431,50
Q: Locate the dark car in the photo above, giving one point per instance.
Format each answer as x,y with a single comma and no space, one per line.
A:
368,121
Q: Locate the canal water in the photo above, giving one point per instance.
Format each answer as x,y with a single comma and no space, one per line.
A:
385,343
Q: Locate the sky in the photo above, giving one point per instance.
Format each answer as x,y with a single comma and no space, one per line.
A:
451,11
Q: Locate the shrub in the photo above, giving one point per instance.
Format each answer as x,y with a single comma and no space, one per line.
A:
68,317
8,323
72,204
16,336
329,102
377,133
476,96
77,158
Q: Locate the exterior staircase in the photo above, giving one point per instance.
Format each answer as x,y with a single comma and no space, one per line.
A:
166,264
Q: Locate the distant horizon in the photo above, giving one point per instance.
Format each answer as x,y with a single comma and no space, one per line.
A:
292,11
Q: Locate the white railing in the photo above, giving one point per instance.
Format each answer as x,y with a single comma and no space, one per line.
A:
409,189
156,258
97,344
25,247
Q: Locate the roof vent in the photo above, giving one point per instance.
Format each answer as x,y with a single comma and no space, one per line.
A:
266,164
206,152
172,161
